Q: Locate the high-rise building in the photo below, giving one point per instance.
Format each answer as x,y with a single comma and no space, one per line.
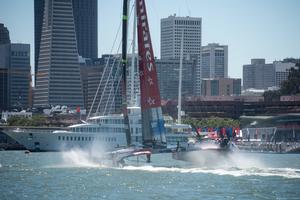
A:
19,76
4,66
85,15
86,26
171,34
172,29
168,77
214,61
282,70
258,75
39,6
4,35
221,87
58,80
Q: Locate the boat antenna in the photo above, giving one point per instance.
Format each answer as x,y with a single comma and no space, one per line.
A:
124,65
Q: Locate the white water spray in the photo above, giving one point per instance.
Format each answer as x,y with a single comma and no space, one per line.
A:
88,157
78,158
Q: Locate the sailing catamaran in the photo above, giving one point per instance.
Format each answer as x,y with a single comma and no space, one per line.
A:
142,127
153,131
114,131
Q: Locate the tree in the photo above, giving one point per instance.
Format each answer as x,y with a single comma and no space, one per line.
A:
292,85
213,122
36,120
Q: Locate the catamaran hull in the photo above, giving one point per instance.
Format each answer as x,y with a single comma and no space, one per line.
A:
196,155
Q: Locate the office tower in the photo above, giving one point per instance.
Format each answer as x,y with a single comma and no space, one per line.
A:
4,65
86,25
39,6
19,76
221,87
58,79
282,70
171,35
168,77
258,75
214,61
4,35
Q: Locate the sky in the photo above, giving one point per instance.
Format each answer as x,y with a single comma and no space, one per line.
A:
267,29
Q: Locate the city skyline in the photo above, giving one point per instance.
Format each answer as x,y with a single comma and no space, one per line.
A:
258,29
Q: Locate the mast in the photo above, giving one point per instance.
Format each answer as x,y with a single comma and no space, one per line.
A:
132,96
124,65
180,79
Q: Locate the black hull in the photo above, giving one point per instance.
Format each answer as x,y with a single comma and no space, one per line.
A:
200,154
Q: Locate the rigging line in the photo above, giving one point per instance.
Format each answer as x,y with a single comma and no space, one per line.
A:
114,96
188,7
104,90
112,86
109,76
113,46
107,80
153,8
114,78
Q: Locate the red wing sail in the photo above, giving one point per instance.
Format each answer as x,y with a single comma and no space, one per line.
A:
153,130
150,97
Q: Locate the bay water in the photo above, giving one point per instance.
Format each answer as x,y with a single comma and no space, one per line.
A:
75,175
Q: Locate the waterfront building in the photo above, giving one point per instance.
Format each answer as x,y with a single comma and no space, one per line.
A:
168,77
171,35
214,61
58,80
4,65
19,76
232,106
221,87
15,76
6,115
258,75
86,25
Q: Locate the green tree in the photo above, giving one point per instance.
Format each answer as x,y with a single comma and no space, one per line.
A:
213,122
36,120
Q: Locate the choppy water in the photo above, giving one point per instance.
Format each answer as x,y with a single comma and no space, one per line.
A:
73,175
